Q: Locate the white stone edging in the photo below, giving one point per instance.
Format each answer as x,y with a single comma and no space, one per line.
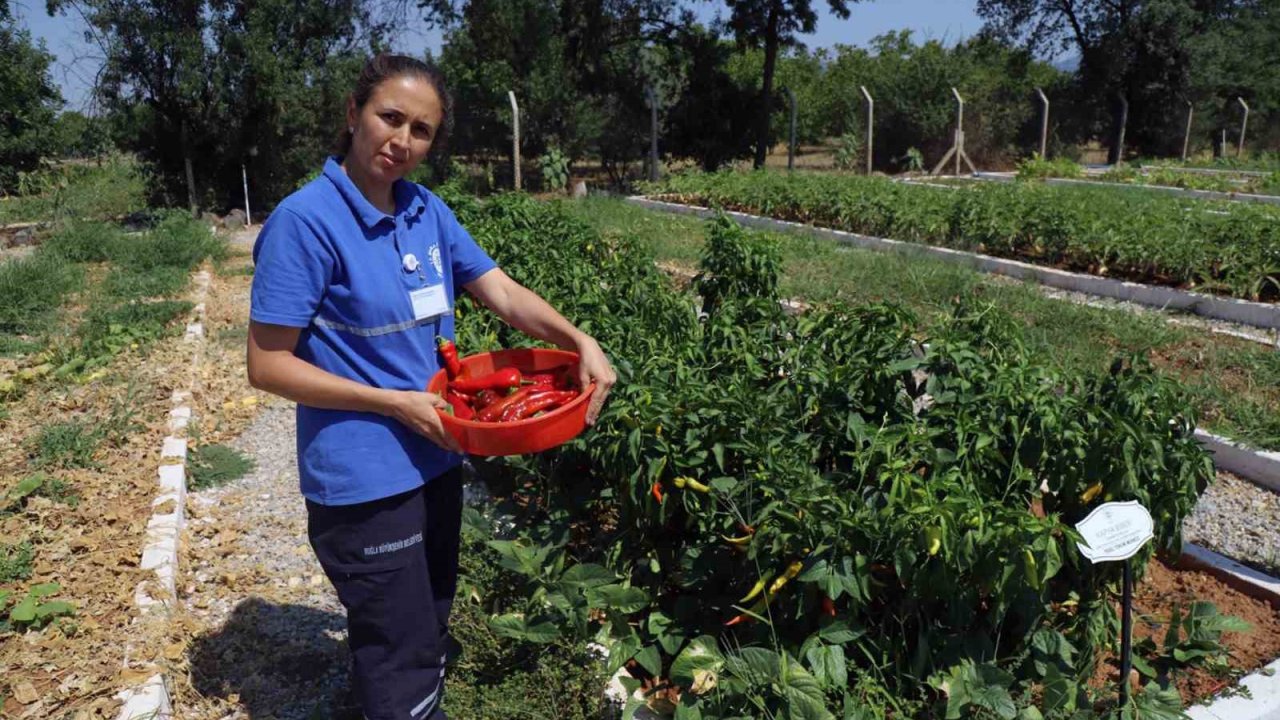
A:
151,700
1257,466
1245,312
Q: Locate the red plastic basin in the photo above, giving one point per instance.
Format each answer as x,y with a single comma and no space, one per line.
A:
519,437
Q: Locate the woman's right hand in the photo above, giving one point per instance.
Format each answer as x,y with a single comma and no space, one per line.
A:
420,412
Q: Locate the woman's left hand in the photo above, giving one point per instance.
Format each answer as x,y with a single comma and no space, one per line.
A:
593,366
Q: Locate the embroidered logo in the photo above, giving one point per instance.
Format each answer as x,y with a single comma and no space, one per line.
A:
436,262
394,545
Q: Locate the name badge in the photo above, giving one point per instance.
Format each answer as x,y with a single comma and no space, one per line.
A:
429,301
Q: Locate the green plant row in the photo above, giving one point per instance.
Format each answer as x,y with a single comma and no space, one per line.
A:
1036,168
1225,248
902,503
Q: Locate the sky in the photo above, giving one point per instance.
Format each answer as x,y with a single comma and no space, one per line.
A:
77,63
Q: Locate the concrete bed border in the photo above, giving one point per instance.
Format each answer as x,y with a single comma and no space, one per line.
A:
1186,192
151,699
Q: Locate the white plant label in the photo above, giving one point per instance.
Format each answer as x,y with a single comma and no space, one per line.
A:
1115,531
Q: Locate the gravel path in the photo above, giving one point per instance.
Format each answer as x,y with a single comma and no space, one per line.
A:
275,643
1240,520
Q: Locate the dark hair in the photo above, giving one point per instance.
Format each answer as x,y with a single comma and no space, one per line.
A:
386,66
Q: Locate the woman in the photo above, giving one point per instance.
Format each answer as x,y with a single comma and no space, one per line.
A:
355,278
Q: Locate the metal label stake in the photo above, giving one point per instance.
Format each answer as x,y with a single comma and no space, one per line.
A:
1113,532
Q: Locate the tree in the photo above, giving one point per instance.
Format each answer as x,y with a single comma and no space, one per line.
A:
773,23
578,67
192,85
28,102
1139,49
155,54
723,134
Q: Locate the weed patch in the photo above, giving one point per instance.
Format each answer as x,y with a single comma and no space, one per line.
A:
67,445
215,465
32,289
82,242
15,561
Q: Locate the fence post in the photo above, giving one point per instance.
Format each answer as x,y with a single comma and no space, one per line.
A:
871,121
515,137
957,147
652,99
1124,121
1044,125
791,144
1244,123
1186,136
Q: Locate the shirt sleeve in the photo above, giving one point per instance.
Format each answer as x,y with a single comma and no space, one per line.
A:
469,260
292,270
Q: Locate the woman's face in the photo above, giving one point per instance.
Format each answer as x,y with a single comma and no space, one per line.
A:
395,128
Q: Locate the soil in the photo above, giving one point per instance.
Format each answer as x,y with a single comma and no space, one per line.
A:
1154,598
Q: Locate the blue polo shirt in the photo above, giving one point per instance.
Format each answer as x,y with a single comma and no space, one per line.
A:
331,263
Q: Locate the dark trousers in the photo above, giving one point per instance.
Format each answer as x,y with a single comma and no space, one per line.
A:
394,563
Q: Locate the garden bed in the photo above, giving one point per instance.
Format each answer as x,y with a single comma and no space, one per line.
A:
1141,238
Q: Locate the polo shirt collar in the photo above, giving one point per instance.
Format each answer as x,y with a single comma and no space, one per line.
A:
408,201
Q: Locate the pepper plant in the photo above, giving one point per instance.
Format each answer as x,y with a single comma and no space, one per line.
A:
827,514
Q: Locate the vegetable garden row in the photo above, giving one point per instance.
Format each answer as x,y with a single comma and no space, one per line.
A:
826,515
1146,238
1166,177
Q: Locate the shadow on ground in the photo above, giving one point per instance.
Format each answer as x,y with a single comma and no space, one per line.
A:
285,662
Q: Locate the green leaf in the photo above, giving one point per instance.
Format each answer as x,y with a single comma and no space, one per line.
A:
54,608
586,576
838,632
514,625
25,611
623,649
44,589
687,711
828,665
755,665
625,600
650,659
26,486
700,654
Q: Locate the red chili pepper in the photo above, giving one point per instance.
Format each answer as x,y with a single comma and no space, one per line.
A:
556,377
484,399
504,378
656,491
461,406
828,606
493,412
538,402
743,618
449,351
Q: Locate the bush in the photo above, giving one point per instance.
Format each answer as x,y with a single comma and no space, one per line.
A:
555,169
849,153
